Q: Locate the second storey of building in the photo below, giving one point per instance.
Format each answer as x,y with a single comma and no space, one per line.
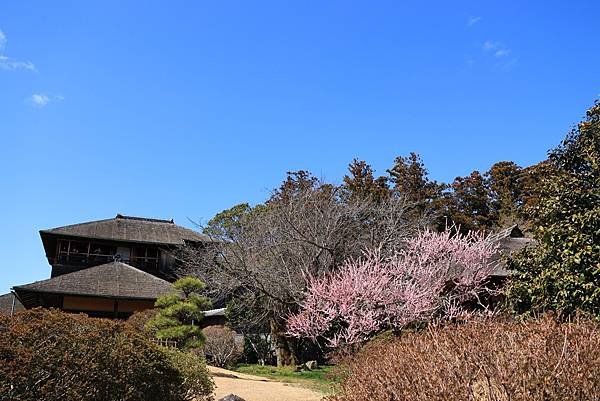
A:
147,244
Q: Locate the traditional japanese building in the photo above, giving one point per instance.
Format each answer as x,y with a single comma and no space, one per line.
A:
108,268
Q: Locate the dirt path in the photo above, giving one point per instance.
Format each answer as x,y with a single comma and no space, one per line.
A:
255,388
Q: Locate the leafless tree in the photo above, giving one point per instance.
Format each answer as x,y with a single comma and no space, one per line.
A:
221,346
264,255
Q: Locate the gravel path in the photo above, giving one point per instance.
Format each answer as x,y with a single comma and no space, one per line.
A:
255,388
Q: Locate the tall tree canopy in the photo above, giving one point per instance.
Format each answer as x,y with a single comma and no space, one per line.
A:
562,270
505,187
469,206
360,182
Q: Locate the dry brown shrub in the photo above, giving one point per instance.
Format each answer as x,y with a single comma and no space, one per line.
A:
139,319
498,360
221,347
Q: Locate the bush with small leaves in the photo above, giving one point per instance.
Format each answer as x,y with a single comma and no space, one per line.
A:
51,355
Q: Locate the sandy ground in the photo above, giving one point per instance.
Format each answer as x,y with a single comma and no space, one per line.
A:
255,388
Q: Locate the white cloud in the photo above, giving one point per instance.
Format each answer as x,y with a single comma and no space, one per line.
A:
472,20
496,48
501,52
489,45
42,99
8,63
39,99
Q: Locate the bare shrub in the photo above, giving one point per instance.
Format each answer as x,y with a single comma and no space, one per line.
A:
221,347
481,360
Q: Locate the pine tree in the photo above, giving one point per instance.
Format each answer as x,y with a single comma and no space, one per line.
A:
469,204
504,184
361,183
180,313
409,178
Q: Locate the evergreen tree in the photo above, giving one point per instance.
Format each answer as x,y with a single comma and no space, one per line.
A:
505,188
409,178
469,204
180,313
361,183
562,270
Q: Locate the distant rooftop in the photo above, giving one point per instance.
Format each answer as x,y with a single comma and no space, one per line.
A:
510,240
131,229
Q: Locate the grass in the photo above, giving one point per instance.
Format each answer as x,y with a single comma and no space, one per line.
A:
319,379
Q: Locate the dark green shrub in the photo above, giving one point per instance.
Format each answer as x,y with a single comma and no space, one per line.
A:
193,368
179,314
50,355
539,360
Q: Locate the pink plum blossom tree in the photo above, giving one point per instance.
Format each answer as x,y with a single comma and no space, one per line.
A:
433,277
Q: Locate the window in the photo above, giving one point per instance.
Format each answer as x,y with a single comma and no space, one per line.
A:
145,258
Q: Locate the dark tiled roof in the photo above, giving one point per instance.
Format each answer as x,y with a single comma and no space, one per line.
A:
6,304
133,229
112,280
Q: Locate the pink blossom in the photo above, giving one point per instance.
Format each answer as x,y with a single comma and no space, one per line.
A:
433,277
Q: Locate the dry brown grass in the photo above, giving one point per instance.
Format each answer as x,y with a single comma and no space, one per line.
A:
482,361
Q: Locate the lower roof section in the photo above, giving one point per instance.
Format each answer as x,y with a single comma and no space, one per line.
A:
111,280
9,304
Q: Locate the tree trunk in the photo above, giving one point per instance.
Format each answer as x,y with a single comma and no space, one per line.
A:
284,350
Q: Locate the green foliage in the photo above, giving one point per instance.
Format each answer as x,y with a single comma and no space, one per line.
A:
192,367
167,300
505,187
189,285
50,355
470,204
179,315
227,222
562,270
321,379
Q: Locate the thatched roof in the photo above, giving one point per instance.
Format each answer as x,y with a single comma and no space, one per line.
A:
130,229
111,280
511,240
9,304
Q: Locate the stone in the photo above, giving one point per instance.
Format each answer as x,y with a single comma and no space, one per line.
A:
231,397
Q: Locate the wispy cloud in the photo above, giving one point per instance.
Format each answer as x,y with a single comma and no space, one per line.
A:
495,48
9,63
500,53
42,99
472,20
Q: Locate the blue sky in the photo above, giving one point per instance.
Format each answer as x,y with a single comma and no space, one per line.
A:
181,109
